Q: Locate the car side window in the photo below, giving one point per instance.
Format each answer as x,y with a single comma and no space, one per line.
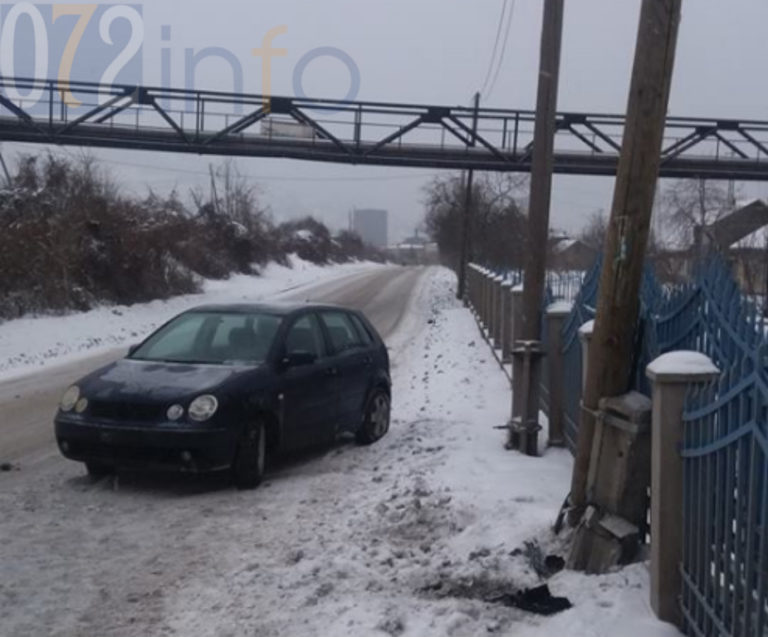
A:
342,331
305,336
362,329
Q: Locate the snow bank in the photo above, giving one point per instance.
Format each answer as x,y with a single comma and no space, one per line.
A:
30,343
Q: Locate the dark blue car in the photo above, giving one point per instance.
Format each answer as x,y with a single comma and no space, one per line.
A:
222,387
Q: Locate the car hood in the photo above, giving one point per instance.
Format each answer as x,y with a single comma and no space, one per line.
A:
155,381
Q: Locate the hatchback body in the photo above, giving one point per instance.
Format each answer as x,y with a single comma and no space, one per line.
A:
220,387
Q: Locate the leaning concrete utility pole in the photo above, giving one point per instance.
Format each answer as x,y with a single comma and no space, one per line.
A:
613,338
466,226
524,427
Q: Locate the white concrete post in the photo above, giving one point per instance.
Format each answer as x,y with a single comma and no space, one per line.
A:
585,336
517,313
506,321
498,311
486,313
671,375
557,313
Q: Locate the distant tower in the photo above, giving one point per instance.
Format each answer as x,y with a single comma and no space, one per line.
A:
372,226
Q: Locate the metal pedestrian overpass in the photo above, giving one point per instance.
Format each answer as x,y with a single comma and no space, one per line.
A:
359,133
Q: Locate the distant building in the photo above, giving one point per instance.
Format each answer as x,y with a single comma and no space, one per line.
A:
570,254
372,226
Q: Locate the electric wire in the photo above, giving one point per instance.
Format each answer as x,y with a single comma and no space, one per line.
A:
495,46
503,50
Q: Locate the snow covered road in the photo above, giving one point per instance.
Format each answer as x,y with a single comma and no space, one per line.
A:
401,538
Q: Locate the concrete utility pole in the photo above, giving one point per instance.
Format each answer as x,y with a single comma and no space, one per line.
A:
523,430
611,349
466,230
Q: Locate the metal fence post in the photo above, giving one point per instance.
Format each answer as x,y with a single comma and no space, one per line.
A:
506,321
555,318
670,380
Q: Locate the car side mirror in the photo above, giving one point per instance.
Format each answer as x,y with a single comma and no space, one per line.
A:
132,349
298,359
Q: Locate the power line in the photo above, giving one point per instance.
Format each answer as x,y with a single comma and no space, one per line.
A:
495,46
503,50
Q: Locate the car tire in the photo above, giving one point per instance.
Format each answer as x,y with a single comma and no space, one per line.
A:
98,469
250,457
376,415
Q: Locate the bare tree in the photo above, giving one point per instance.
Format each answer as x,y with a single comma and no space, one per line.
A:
594,231
689,206
498,221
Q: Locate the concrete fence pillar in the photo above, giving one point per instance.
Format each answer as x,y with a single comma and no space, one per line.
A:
585,336
498,311
517,313
472,287
489,276
506,322
478,290
484,302
670,375
491,306
555,318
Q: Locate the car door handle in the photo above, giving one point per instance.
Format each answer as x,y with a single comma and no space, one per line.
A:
368,360
331,371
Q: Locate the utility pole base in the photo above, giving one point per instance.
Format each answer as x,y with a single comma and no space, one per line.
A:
524,424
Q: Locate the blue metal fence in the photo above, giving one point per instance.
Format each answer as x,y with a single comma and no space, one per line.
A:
583,311
725,442
725,463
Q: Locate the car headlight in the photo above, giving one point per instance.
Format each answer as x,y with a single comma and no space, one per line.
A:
203,407
70,398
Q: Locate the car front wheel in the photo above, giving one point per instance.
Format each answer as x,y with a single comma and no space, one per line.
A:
375,418
250,457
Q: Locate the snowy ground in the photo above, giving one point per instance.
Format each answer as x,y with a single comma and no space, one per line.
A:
399,538
30,343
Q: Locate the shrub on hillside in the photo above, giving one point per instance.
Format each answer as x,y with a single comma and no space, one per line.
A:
69,240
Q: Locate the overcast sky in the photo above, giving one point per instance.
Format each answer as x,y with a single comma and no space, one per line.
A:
437,52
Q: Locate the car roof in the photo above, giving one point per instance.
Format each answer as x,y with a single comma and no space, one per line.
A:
278,308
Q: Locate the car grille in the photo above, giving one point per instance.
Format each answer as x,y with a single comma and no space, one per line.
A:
133,412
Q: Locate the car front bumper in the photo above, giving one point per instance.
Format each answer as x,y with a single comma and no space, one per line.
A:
196,449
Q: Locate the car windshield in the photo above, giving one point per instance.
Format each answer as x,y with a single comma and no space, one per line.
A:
218,338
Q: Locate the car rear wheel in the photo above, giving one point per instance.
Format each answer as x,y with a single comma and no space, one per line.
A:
375,418
250,457
98,469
